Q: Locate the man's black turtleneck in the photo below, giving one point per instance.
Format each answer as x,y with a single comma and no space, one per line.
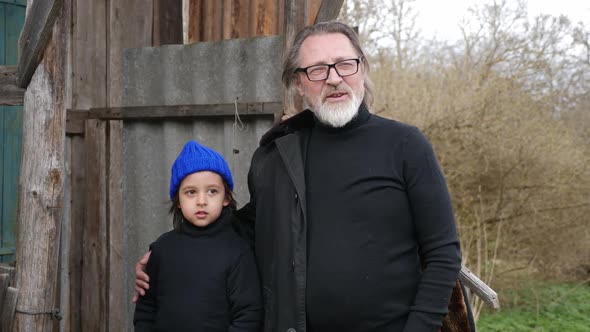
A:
376,200
201,279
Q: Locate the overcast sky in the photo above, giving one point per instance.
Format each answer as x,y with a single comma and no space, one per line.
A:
441,18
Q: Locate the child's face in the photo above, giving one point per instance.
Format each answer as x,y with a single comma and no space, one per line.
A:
202,197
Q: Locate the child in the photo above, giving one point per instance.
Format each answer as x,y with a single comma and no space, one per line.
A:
203,276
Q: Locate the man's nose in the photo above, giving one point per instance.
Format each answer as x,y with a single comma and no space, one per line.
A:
333,77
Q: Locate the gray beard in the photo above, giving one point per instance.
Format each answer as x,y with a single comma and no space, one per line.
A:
336,115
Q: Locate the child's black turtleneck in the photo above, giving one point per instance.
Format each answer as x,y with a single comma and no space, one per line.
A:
201,279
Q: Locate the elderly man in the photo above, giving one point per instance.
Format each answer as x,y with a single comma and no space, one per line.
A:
349,213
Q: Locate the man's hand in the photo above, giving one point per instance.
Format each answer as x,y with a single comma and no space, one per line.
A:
141,278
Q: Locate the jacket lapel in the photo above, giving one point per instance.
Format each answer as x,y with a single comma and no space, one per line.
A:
290,149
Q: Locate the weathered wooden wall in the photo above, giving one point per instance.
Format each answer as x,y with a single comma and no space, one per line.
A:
97,281
231,19
82,70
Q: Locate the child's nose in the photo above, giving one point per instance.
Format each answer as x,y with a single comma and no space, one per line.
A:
201,199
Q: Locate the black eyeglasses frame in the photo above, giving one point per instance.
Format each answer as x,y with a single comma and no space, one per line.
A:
332,65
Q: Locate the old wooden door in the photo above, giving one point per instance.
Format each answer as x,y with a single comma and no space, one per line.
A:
12,17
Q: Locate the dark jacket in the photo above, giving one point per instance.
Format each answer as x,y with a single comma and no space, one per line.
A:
277,209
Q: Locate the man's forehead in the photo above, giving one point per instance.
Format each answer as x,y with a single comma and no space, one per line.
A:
326,47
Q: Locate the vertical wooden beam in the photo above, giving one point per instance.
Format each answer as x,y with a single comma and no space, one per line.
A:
227,25
328,10
212,20
87,234
195,18
41,183
8,308
130,31
295,20
268,17
72,310
240,19
313,6
94,237
167,22
281,17
37,30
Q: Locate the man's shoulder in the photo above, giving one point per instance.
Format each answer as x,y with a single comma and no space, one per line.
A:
391,126
391,123
291,125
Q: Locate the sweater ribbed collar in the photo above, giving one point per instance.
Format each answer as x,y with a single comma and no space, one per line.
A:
220,224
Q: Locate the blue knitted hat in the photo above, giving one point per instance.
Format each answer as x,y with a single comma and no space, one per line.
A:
196,158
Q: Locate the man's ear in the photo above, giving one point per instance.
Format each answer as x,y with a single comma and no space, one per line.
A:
298,85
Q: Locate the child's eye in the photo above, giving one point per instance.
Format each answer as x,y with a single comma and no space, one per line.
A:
190,192
212,191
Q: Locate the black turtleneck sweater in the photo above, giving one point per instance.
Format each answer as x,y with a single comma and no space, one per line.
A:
377,201
201,279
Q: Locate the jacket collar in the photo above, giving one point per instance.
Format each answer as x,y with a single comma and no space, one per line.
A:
296,122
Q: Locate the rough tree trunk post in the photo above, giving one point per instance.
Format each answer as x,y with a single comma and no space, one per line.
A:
41,179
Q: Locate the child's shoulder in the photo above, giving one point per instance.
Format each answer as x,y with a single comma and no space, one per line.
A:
167,237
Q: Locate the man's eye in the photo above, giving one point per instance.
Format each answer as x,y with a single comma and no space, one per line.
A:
316,70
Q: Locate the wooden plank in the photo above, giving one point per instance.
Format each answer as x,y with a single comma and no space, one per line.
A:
479,288
94,238
10,93
41,16
6,269
174,111
167,22
22,3
89,89
41,182
328,10
313,7
195,21
129,31
255,7
77,214
267,18
227,25
295,19
4,283
281,17
64,275
240,19
7,74
8,309
212,20
119,319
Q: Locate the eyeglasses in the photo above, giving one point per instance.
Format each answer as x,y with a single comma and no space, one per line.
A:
321,72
